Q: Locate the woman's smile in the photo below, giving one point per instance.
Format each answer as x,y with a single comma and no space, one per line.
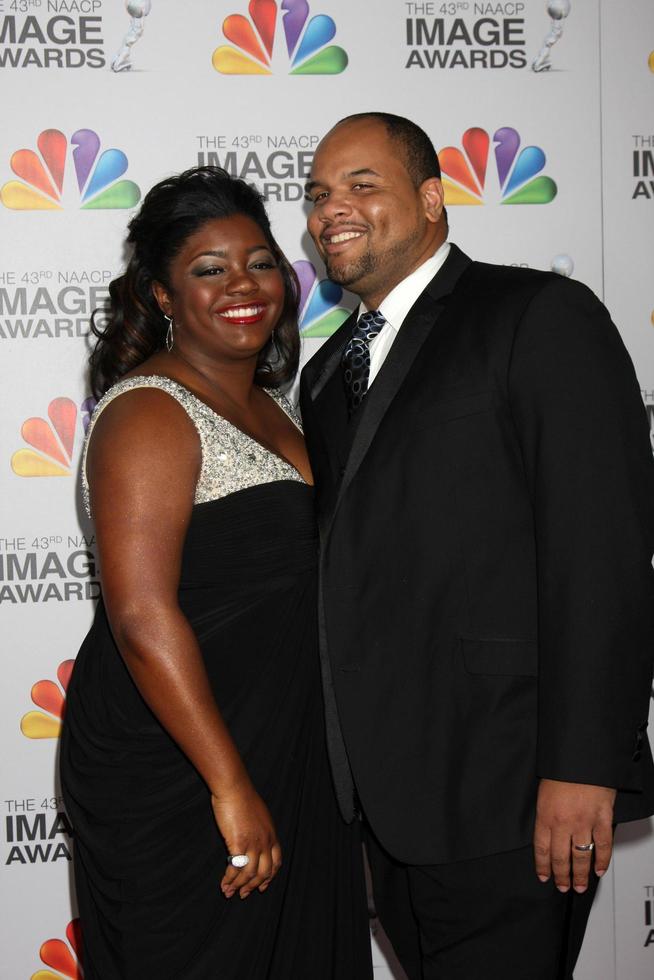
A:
251,313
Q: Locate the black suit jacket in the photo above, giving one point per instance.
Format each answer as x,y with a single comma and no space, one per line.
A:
486,589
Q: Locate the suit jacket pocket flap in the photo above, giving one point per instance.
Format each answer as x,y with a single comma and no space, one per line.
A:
518,657
448,410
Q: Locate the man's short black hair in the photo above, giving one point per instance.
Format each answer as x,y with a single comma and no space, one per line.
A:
420,157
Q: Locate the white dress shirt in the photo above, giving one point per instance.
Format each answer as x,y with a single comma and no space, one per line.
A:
396,305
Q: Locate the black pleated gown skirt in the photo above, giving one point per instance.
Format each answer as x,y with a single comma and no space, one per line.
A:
148,855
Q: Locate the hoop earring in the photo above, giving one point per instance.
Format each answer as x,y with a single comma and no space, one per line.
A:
170,338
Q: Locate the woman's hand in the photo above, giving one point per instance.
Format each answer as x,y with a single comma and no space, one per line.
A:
247,828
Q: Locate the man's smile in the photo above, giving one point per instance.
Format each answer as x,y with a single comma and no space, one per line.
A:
337,240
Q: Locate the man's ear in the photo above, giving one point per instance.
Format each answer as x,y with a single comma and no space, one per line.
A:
433,197
163,298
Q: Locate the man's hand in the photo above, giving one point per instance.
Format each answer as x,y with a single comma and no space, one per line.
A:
569,814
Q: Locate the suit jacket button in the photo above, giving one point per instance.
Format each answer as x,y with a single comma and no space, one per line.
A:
636,755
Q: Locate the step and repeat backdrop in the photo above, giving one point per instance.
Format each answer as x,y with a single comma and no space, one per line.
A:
542,113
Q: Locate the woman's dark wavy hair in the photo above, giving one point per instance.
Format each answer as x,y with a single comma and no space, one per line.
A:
132,327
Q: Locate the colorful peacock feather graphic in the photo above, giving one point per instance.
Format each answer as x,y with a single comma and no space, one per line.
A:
87,408
464,171
52,441
320,313
41,184
65,958
51,698
306,38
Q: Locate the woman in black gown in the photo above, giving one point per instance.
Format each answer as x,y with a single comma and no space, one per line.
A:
194,723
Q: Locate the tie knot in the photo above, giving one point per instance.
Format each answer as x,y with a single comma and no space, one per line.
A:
368,325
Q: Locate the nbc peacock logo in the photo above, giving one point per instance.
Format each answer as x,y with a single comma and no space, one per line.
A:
320,312
64,957
50,698
43,185
52,441
307,46
465,171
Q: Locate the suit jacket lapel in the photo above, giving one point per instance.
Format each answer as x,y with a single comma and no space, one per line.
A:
321,433
321,367
414,332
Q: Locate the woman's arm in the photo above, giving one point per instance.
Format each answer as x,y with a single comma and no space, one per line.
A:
142,466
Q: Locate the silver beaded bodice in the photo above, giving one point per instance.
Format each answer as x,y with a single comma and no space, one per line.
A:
231,460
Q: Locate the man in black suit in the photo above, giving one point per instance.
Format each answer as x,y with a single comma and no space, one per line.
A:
485,494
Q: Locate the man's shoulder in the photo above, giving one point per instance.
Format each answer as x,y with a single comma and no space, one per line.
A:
510,277
501,284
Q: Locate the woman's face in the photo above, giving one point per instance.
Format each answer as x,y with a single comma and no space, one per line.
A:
226,291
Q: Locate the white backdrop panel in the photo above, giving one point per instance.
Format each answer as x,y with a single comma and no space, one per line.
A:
452,67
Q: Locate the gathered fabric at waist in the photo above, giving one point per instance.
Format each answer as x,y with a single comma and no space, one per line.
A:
252,541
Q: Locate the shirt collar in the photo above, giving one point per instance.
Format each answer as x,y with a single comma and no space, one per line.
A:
396,305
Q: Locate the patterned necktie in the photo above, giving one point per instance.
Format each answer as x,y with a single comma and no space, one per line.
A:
356,357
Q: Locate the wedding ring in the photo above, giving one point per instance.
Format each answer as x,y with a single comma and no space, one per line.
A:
238,860
584,847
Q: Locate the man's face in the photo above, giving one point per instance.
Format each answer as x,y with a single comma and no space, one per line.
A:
369,222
